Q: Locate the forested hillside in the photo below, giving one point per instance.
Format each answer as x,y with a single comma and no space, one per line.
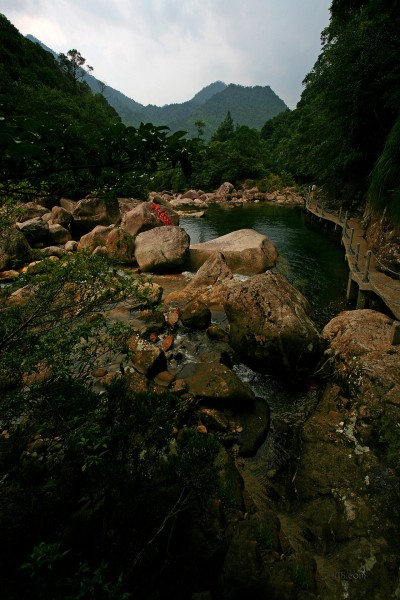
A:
346,120
250,106
57,137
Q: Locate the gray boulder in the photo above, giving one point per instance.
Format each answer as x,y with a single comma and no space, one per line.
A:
270,326
35,230
246,251
120,245
58,234
14,249
146,216
215,382
162,249
91,212
96,237
30,210
60,216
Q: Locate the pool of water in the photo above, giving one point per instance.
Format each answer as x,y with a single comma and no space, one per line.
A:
310,256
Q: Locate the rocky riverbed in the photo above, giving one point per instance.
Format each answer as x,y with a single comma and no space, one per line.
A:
312,506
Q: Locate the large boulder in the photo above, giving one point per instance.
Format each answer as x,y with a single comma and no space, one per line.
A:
14,249
91,212
58,234
97,237
246,251
215,382
270,326
120,246
127,204
35,230
30,210
196,315
148,215
60,216
162,249
209,279
146,357
224,191
68,205
365,362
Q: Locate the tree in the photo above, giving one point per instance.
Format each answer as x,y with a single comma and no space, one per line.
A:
350,101
225,130
384,189
200,127
74,65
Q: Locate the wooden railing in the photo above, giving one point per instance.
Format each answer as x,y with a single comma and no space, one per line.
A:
366,271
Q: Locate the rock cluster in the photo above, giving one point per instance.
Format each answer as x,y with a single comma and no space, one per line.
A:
338,474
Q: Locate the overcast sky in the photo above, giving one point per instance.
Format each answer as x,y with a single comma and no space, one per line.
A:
164,51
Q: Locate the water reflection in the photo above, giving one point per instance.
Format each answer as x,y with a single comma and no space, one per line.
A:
310,257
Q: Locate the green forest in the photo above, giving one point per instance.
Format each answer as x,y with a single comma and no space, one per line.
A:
89,505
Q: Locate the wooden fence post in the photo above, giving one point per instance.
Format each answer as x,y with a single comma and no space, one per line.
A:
366,268
356,257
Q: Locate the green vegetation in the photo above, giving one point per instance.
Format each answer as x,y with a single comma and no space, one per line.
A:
92,485
94,488
348,108
60,139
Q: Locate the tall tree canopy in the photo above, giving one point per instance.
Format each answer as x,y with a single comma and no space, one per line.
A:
350,101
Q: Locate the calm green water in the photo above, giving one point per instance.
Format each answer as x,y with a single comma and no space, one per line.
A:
310,257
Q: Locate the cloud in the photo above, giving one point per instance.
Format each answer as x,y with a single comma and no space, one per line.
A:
163,51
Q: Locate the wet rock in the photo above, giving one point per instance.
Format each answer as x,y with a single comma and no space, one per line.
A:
214,419
270,326
173,317
167,342
196,315
178,387
217,334
150,321
164,379
146,357
255,426
215,382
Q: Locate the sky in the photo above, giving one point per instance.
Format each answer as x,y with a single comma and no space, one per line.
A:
165,51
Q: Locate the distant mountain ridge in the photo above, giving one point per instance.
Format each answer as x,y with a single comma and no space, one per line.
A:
248,105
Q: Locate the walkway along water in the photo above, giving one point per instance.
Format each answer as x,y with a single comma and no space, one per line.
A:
365,279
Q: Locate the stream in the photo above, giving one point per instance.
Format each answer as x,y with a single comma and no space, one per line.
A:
310,257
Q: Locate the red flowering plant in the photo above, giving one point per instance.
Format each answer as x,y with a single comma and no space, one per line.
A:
161,214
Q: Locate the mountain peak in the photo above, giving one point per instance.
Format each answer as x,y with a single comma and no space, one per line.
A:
248,105
208,91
